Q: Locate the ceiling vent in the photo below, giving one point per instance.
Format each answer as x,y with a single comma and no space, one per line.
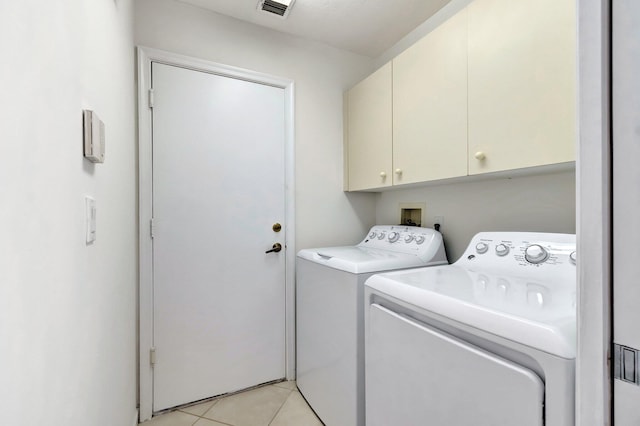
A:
280,7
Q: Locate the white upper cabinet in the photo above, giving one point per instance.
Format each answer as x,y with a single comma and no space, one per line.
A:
368,132
521,84
430,106
492,89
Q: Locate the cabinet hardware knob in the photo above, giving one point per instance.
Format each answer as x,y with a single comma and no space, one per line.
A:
480,155
383,175
398,171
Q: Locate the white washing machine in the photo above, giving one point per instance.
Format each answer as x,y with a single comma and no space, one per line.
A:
488,340
329,314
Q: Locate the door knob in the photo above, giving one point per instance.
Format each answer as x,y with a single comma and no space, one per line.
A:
275,248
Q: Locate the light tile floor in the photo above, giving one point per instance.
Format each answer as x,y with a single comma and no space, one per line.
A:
279,404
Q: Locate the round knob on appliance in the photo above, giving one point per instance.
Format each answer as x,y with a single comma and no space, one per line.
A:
381,236
573,257
480,155
419,239
383,175
398,171
408,238
394,236
482,247
372,234
535,253
502,249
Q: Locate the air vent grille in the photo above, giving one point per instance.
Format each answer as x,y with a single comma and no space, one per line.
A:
280,8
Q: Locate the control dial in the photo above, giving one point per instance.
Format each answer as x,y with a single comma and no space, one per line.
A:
419,239
381,235
573,257
482,247
408,238
502,249
394,236
372,234
535,254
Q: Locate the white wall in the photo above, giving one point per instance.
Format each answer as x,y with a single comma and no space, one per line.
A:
544,203
67,309
324,214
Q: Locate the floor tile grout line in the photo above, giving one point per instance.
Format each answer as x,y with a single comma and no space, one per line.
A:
280,409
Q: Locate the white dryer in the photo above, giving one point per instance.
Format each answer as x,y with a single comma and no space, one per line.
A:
329,314
488,340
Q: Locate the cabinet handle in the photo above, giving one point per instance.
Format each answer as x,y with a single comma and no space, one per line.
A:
480,155
383,175
398,171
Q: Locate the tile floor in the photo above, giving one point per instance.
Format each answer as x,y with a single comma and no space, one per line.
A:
279,404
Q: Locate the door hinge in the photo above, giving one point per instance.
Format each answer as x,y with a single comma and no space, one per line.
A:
152,356
151,98
625,364
151,228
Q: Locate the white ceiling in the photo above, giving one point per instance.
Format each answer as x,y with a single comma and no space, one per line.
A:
367,27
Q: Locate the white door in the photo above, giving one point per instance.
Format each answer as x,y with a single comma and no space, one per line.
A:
626,209
218,189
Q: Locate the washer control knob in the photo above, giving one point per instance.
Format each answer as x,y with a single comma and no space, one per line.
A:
573,257
502,249
408,238
372,234
535,254
419,239
382,235
482,247
394,236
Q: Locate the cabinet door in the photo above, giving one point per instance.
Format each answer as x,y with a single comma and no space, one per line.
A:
430,105
369,131
522,80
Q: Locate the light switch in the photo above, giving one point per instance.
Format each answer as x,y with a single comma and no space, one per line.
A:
90,208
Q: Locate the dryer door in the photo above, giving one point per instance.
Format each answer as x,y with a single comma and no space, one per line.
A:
416,375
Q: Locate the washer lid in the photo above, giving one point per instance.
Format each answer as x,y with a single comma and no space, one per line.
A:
534,312
362,260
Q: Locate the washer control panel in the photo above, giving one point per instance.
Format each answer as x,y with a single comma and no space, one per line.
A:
401,239
521,250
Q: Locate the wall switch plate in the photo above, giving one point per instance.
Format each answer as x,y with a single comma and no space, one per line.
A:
94,139
90,210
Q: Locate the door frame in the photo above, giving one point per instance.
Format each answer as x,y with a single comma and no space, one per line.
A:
594,216
146,56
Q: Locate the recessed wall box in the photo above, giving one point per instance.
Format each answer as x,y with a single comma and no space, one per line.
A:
93,136
412,214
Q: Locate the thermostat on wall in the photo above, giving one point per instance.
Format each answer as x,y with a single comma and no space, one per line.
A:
93,136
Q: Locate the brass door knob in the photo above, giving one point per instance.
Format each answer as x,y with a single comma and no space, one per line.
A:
275,248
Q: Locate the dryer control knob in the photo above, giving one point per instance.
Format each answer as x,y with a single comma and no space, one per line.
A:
408,238
482,247
535,254
573,257
502,249
372,234
394,236
381,235
419,239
